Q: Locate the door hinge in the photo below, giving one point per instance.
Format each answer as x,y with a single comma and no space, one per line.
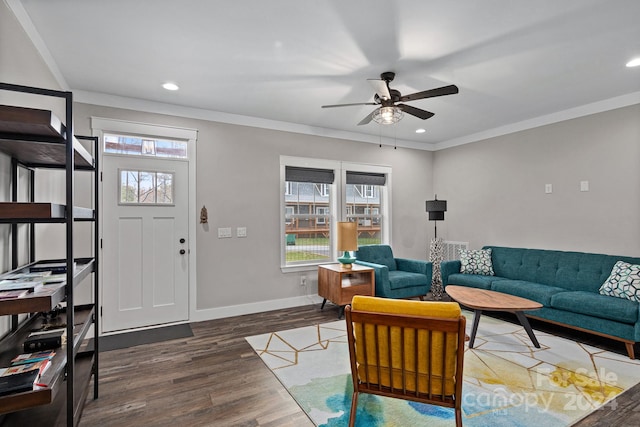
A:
100,176
100,243
100,311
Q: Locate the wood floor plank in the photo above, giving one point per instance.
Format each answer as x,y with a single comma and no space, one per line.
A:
215,379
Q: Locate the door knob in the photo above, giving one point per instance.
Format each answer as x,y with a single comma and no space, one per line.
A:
182,240
182,252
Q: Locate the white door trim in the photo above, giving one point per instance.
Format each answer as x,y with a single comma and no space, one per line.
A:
100,125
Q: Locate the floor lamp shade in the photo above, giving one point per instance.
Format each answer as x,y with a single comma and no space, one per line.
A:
436,209
347,241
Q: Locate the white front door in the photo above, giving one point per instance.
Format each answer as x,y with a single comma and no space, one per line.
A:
145,247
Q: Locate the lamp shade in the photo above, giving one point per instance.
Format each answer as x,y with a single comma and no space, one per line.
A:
347,236
436,209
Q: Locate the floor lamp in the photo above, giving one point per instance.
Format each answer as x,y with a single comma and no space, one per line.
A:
436,209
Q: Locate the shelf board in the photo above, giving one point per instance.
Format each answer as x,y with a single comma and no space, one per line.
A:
20,212
37,138
54,375
48,296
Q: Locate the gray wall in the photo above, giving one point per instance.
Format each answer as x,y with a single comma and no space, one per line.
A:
238,180
496,188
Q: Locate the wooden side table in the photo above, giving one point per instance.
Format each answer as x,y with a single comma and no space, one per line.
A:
338,284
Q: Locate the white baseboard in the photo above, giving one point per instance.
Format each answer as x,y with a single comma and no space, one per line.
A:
256,307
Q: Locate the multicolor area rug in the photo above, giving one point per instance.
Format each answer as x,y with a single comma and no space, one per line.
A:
507,381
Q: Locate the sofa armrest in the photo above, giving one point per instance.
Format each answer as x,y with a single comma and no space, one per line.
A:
447,268
383,287
411,265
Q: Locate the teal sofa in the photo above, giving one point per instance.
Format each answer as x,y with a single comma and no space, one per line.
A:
395,277
566,284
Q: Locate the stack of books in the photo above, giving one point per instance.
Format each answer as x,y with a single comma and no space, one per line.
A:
25,372
17,285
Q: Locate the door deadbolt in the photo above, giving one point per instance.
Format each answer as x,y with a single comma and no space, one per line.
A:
182,240
182,252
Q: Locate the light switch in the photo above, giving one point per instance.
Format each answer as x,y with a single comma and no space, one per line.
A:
584,185
241,231
548,188
224,233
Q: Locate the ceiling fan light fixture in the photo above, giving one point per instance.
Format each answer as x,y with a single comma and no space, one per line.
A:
387,115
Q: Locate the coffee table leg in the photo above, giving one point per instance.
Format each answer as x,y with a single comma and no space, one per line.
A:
474,328
527,327
324,301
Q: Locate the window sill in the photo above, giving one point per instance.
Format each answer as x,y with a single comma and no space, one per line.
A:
302,267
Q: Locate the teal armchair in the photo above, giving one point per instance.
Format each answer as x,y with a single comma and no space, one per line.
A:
396,277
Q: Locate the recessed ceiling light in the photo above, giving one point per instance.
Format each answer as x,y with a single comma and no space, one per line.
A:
634,62
170,86
420,130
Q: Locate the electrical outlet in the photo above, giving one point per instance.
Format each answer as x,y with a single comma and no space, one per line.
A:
303,280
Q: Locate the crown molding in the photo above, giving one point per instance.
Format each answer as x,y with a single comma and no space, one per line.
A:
560,116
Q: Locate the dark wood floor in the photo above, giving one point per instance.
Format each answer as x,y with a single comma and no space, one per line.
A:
215,379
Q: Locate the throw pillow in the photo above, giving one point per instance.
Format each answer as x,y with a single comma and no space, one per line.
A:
624,282
476,262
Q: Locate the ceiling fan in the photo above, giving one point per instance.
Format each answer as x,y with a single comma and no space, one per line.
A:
389,112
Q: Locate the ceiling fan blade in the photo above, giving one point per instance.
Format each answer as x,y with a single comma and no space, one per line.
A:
381,88
367,119
421,114
441,91
349,105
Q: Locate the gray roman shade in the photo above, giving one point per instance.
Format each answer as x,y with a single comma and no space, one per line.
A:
317,176
366,178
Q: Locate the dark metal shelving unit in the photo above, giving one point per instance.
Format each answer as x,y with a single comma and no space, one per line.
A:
35,139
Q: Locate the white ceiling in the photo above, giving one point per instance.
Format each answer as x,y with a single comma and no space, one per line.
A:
517,63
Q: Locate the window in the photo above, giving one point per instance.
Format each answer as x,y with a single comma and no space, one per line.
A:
145,187
139,146
316,194
363,190
307,215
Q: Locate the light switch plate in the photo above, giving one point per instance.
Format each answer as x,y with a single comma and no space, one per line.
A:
241,231
584,185
224,233
548,188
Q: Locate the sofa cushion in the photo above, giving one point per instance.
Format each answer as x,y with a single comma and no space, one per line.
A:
624,282
530,290
377,254
472,280
592,304
476,262
404,279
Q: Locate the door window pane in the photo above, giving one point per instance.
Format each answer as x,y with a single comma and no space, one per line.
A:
146,187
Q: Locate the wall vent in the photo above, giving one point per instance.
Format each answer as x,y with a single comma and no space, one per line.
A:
451,250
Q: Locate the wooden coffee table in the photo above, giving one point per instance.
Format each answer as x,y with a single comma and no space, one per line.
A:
484,300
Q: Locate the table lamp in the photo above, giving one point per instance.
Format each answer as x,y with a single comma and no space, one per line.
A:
347,241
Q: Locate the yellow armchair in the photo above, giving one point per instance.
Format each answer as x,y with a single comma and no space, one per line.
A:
411,350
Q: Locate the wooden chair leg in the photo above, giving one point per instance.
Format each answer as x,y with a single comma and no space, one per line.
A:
354,408
458,417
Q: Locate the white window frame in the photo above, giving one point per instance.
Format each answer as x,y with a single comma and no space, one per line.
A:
337,202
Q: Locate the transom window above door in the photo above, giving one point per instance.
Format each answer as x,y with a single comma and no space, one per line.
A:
144,146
